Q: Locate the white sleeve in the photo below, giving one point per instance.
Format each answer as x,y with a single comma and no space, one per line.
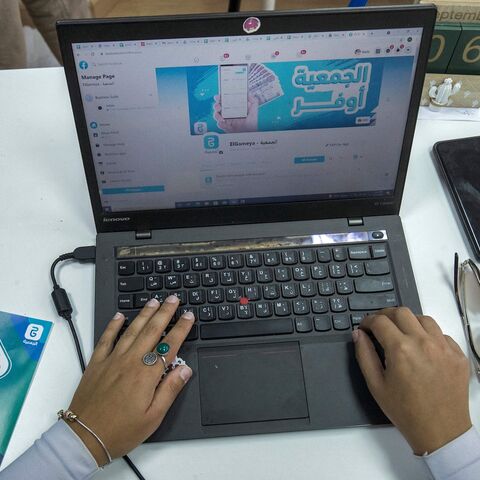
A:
457,460
59,454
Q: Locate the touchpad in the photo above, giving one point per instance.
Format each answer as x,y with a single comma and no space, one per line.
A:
251,383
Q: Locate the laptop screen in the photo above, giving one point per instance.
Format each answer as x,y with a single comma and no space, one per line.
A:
219,121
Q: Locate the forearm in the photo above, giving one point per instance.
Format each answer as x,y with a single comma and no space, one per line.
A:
457,460
58,455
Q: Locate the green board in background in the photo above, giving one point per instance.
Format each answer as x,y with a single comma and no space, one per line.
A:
466,57
444,41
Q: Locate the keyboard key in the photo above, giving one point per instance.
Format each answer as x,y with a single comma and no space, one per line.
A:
233,294
160,296
126,268
307,289
191,280
196,297
228,277
252,292
378,267
206,313
271,292
283,274
235,260
253,260
359,252
326,287
319,272
319,305
372,301
163,265
192,334
140,299
379,251
282,308
209,279
130,317
184,309
246,277
323,255
276,326
125,301
344,287
271,258
341,321
199,263
265,275
154,282
181,264
338,304
337,270
144,267
357,318
263,309
355,269
181,295
215,295
300,273
339,254
377,284
173,281
301,307
307,256
289,290
303,324
289,257
226,312
133,284
217,262
245,312
322,323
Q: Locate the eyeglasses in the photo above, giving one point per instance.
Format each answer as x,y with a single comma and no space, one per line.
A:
460,296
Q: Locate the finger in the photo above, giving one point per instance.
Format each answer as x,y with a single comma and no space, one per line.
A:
369,362
131,333
149,336
455,346
430,325
105,343
405,320
168,390
384,330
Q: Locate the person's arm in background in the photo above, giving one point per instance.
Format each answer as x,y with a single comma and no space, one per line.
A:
119,397
12,41
423,389
45,13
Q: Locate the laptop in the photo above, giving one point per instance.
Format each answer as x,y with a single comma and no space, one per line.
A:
253,164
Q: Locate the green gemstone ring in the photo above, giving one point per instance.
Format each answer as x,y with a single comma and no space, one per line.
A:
162,348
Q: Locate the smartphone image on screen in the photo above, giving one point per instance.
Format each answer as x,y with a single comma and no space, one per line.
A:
233,84
459,161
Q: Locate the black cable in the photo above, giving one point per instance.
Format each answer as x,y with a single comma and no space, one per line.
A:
65,310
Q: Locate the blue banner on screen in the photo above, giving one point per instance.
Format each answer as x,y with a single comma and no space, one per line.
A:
284,96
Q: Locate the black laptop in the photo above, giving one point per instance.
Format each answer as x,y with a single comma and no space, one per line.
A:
253,164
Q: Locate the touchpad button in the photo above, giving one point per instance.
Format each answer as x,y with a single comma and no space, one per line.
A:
251,383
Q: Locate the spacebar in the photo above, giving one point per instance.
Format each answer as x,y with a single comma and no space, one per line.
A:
276,326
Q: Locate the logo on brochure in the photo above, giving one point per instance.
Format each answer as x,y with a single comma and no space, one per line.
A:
33,332
5,362
200,128
251,24
83,65
211,142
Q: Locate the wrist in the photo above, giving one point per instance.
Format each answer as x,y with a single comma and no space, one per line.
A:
90,442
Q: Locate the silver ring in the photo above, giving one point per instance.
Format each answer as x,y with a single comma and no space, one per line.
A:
150,358
165,366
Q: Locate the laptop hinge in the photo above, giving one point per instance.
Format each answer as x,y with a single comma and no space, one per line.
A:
143,235
355,222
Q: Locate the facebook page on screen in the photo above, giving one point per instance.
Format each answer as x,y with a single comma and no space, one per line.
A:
217,121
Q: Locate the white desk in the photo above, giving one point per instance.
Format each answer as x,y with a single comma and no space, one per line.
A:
45,211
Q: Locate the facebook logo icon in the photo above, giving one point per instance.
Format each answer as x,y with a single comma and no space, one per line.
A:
83,65
210,142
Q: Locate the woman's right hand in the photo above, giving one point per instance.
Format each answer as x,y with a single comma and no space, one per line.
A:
120,398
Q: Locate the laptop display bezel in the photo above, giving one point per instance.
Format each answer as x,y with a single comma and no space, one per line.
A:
144,28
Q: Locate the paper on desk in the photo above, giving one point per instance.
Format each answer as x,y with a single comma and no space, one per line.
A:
22,340
464,114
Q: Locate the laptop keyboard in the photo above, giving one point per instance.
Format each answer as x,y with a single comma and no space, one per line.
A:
302,291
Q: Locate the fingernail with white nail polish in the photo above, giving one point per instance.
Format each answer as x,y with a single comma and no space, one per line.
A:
172,299
189,315
153,302
118,316
185,373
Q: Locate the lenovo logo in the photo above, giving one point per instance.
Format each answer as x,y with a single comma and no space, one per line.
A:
117,219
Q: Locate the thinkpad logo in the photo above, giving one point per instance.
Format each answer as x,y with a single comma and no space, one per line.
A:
118,219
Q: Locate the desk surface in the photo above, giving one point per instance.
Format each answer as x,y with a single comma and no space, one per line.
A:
45,211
